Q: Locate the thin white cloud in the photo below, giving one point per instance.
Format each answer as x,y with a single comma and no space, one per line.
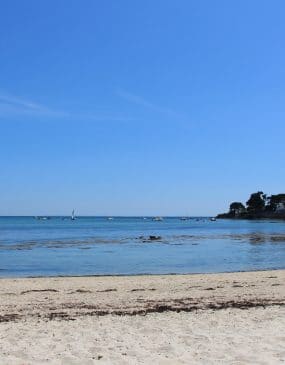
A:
14,105
17,102
136,99
11,105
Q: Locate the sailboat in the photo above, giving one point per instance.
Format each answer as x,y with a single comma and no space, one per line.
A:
72,215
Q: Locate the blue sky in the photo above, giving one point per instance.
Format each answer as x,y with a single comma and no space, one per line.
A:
140,107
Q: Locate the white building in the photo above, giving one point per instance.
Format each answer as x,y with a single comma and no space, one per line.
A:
280,206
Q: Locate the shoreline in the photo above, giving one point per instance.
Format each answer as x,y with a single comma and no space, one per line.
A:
138,275
277,218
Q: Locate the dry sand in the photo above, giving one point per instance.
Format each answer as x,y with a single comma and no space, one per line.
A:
236,318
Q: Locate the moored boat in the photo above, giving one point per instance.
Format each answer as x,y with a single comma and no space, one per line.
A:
157,219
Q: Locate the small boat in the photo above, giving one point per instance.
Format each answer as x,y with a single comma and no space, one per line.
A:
157,219
213,219
184,218
110,218
42,218
72,215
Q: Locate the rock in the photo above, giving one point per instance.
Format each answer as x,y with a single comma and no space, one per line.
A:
154,238
149,238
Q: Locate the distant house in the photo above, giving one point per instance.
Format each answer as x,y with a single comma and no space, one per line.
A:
280,206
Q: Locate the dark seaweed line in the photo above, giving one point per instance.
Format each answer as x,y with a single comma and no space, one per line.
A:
158,308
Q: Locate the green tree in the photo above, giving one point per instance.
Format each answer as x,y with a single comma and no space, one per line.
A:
256,203
236,208
273,201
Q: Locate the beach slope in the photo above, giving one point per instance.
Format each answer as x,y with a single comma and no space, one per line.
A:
235,318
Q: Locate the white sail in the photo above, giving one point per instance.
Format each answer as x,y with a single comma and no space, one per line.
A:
72,215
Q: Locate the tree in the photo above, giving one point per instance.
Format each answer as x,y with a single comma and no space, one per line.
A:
256,203
236,209
273,202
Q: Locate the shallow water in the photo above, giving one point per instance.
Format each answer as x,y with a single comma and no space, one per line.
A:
97,246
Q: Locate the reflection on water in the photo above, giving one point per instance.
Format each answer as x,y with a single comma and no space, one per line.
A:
95,245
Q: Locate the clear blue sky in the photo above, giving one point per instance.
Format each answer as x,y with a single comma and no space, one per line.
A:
140,107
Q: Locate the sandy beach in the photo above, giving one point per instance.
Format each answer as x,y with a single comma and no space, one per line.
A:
236,318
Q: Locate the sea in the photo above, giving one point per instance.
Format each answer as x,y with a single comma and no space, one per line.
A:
59,246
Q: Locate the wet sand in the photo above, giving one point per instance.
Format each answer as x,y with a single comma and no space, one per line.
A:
236,318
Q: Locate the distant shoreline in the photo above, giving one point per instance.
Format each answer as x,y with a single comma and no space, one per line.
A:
258,206
251,218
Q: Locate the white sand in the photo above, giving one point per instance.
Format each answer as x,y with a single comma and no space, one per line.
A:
77,335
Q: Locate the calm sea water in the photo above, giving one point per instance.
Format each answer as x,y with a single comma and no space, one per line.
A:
97,246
